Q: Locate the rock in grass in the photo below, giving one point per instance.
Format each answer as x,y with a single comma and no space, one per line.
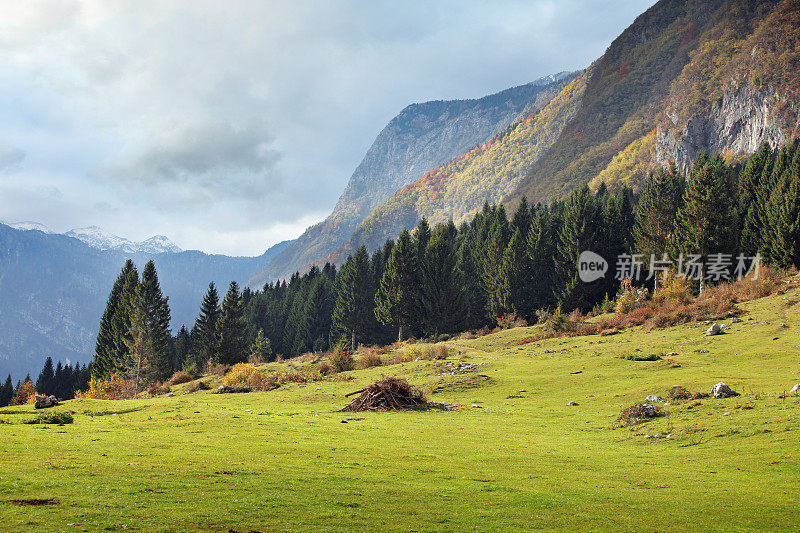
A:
653,398
721,390
670,354
795,389
42,401
713,330
570,404
735,320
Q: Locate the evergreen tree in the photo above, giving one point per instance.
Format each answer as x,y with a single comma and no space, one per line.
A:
354,299
441,291
540,252
121,325
182,349
315,324
6,392
105,351
703,223
515,272
205,344
655,214
46,381
522,219
492,263
232,328
155,310
422,235
261,350
579,233
397,299
469,271
786,244
139,342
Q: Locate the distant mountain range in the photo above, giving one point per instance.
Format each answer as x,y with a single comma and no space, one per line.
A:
98,238
686,76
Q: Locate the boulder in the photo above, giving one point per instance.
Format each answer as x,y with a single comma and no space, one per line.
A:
670,354
735,320
795,389
649,410
721,390
653,398
713,330
572,403
42,401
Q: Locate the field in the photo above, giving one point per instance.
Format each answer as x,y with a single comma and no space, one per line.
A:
511,456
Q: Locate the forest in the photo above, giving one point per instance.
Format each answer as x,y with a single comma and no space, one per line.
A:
496,270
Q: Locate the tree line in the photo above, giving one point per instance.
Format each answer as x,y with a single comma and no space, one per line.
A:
445,279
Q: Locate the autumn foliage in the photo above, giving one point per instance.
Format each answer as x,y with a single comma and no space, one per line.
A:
115,387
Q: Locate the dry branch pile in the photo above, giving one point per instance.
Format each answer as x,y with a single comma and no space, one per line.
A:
385,395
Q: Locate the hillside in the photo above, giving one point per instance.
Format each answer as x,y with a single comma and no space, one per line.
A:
511,455
685,77
419,139
53,290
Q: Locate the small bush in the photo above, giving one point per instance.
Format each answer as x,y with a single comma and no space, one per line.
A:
679,393
641,357
325,368
341,358
60,418
217,369
113,388
244,376
157,389
638,412
511,320
369,359
180,377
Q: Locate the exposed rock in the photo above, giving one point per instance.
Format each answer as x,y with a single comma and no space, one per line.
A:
649,410
670,354
43,401
795,389
713,330
653,398
735,320
721,390
570,404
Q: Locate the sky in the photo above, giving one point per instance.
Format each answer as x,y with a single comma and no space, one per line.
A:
231,126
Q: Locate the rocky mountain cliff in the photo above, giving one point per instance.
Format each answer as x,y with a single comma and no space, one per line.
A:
419,139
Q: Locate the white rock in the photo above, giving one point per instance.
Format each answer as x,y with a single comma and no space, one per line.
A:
570,403
721,390
713,330
653,398
795,389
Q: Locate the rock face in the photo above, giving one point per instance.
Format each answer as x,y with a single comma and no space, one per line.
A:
739,123
721,390
422,137
43,402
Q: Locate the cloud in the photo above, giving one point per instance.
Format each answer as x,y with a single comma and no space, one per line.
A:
196,117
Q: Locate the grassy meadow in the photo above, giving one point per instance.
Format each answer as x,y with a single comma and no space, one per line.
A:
511,456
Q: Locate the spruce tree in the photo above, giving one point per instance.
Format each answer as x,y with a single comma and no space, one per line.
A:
6,392
315,323
655,214
155,310
139,342
515,277
182,349
105,351
45,383
469,271
352,312
703,223
540,252
204,333
441,291
121,325
492,263
422,235
579,233
396,301
232,328
786,244
522,219
261,350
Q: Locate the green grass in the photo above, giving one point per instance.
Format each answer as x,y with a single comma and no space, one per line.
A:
286,460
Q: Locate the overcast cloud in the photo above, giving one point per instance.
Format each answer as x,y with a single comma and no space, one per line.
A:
230,126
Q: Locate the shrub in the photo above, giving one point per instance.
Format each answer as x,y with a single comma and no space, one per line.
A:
60,418
369,359
629,297
638,412
641,357
511,320
180,377
341,358
157,389
115,387
244,376
325,368
25,395
559,322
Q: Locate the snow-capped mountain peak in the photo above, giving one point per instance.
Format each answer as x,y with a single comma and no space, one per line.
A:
29,226
97,237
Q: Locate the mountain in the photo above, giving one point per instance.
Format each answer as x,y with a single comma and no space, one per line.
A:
29,226
102,240
419,139
53,290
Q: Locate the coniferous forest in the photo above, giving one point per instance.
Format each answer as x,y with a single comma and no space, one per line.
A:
435,281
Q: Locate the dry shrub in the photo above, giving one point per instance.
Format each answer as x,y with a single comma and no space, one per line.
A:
674,288
369,359
402,357
115,387
193,386
637,413
609,331
386,394
290,375
679,393
158,388
511,320
629,297
341,358
180,377
245,376
324,368
217,369
25,395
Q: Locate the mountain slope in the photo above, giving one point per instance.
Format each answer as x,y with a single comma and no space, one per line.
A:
686,76
53,289
422,137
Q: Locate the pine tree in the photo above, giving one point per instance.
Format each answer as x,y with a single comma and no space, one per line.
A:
261,350
352,312
579,233
786,244
232,328
522,219
182,349
492,262
396,301
315,324
139,342
515,277
156,314
441,290
105,351
6,392
45,383
703,223
422,236
205,344
540,252
469,271
121,325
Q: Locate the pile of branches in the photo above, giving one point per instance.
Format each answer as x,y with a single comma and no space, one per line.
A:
386,394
